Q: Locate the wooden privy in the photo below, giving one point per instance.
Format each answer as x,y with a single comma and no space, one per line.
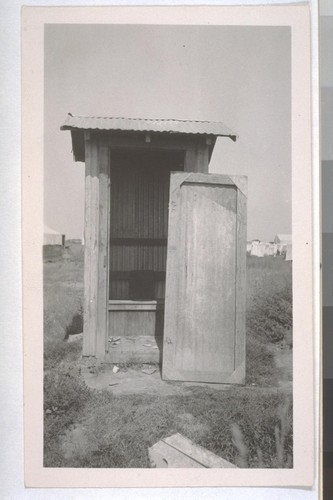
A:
165,247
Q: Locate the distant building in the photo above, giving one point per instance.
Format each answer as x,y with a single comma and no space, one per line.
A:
75,241
262,248
52,237
271,249
257,248
284,239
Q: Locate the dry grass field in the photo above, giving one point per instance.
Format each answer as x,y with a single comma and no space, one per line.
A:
250,425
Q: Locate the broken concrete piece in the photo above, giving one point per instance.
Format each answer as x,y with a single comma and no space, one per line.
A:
114,339
149,371
115,369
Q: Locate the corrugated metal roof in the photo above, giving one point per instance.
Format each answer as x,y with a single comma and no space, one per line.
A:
147,125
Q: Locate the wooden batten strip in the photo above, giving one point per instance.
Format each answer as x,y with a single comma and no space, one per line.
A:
240,327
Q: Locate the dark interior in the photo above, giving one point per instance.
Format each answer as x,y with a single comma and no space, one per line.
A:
139,221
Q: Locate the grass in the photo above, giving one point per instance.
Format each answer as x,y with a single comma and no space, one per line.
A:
250,426
269,316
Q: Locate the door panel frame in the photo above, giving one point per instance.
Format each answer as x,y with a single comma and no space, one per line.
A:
174,263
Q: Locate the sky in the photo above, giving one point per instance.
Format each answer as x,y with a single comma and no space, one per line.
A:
240,75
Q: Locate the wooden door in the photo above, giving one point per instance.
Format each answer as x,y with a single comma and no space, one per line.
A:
204,329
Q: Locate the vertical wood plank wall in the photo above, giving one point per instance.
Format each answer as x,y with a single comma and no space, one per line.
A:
197,159
97,217
139,217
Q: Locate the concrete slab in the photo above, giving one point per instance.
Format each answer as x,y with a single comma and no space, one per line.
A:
141,349
135,380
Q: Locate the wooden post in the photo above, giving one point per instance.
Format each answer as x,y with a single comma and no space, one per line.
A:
202,158
197,159
190,160
103,234
91,230
240,330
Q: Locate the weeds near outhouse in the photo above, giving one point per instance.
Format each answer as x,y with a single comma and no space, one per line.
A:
279,445
249,425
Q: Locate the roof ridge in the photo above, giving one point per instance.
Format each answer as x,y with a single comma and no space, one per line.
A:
144,119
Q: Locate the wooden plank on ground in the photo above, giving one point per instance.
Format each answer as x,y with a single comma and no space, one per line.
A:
177,451
161,455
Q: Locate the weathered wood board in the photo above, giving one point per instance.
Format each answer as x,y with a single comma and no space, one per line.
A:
204,329
91,238
135,322
96,248
177,451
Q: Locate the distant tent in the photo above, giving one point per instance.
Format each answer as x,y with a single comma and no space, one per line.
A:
262,248
284,241
52,237
257,248
289,252
271,249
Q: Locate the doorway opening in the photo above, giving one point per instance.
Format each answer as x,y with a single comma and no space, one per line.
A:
139,197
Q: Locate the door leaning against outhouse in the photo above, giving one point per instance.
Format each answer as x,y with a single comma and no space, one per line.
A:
204,325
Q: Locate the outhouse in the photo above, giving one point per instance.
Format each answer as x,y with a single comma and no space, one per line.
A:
165,247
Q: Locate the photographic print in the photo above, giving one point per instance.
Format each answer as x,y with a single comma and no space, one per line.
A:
168,247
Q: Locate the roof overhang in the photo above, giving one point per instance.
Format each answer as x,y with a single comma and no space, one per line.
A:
78,125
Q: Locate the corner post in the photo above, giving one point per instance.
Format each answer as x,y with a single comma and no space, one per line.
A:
91,227
103,252
240,330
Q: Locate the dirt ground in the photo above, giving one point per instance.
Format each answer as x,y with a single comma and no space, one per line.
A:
144,380
147,378
138,379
